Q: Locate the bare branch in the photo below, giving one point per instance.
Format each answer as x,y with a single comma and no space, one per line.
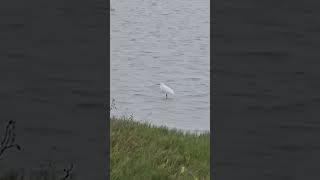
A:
8,141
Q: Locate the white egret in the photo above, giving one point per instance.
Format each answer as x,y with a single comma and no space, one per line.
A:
166,89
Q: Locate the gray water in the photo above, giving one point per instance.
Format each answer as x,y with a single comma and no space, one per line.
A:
161,41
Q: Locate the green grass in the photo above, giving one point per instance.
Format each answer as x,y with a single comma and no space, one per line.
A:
141,151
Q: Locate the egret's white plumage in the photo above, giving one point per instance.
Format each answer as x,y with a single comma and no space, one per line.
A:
166,89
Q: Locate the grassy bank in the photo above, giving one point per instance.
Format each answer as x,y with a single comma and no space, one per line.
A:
141,151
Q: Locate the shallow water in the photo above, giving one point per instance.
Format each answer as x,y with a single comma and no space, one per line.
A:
161,41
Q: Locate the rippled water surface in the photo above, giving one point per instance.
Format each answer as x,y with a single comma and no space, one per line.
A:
161,41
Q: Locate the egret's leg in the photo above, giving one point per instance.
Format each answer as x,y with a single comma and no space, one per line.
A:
166,96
